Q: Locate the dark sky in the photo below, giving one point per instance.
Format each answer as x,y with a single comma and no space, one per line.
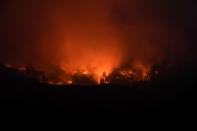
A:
150,30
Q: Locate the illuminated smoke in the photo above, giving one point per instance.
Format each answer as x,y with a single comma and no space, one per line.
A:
89,36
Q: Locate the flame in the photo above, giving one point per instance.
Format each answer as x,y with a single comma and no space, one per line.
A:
91,56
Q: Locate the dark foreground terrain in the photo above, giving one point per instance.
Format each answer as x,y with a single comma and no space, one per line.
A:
172,93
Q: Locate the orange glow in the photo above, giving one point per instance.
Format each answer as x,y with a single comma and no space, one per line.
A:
69,82
92,39
90,53
142,70
87,66
56,83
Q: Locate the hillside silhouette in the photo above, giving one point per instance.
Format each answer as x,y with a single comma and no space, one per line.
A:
172,90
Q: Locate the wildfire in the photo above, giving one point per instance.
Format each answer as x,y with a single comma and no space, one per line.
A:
142,70
138,72
89,63
88,42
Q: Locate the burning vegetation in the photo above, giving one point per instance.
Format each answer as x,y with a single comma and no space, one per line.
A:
118,76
